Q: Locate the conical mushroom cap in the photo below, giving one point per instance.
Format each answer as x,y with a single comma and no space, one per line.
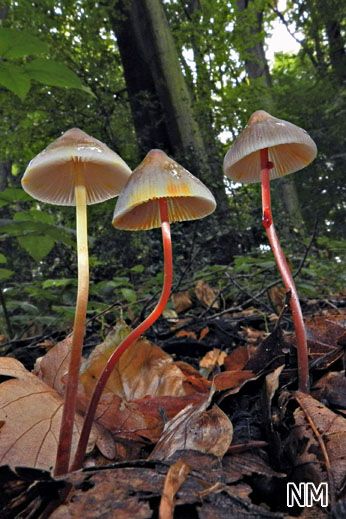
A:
290,148
159,176
51,175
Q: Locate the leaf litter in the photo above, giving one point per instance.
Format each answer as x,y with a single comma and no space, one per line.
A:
230,459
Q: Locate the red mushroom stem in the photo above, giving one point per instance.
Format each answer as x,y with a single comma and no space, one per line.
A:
297,316
131,338
69,409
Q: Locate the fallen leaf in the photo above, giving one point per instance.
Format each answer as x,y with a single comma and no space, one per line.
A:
203,333
175,477
318,443
31,412
145,387
277,297
195,428
181,301
270,353
186,333
272,384
206,295
253,336
237,359
232,379
53,366
213,358
331,389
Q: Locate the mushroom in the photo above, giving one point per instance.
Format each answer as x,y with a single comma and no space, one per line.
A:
159,192
269,148
75,170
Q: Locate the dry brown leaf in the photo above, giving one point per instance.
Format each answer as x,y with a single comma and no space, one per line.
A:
181,301
237,359
319,434
272,384
203,333
31,412
214,357
232,379
331,389
206,295
53,366
175,477
186,333
197,429
277,297
253,336
145,385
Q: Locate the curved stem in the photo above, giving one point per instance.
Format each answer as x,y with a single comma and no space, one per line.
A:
287,278
131,338
69,409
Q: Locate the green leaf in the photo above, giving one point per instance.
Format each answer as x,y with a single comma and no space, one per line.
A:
3,258
28,227
34,214
17,44
37,247
5,274
14,78
14,194
137,269
53,73
129,295
49,283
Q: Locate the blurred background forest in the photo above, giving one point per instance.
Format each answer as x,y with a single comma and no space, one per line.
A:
183,76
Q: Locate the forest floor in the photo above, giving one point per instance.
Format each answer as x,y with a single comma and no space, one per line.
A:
208,423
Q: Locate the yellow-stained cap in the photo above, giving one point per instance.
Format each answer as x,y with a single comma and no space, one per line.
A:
51,175
290,148
159,176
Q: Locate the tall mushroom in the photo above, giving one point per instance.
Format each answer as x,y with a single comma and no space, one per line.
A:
75,170
159,192
270,148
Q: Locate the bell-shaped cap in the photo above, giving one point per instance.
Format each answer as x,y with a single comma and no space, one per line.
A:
159,176
290,148
51,176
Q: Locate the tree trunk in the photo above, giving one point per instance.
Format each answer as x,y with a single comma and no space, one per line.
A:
147,113
154,43
337,53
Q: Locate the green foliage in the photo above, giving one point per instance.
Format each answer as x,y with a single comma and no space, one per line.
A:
17,77
16,44
71,52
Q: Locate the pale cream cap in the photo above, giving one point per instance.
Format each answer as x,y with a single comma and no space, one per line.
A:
159,176
290,148
51,175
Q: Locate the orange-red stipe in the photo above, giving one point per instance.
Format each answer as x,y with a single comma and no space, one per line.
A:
297,316
132,337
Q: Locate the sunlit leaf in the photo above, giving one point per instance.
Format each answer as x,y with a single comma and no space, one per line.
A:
17,44
14,78
53,73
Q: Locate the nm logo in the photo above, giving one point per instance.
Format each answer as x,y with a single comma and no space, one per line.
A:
305,494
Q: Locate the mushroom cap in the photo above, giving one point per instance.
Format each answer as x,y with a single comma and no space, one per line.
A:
159,176
51,175
290,148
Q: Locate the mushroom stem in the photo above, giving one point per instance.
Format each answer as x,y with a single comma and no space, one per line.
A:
132,337
69,409
297,316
